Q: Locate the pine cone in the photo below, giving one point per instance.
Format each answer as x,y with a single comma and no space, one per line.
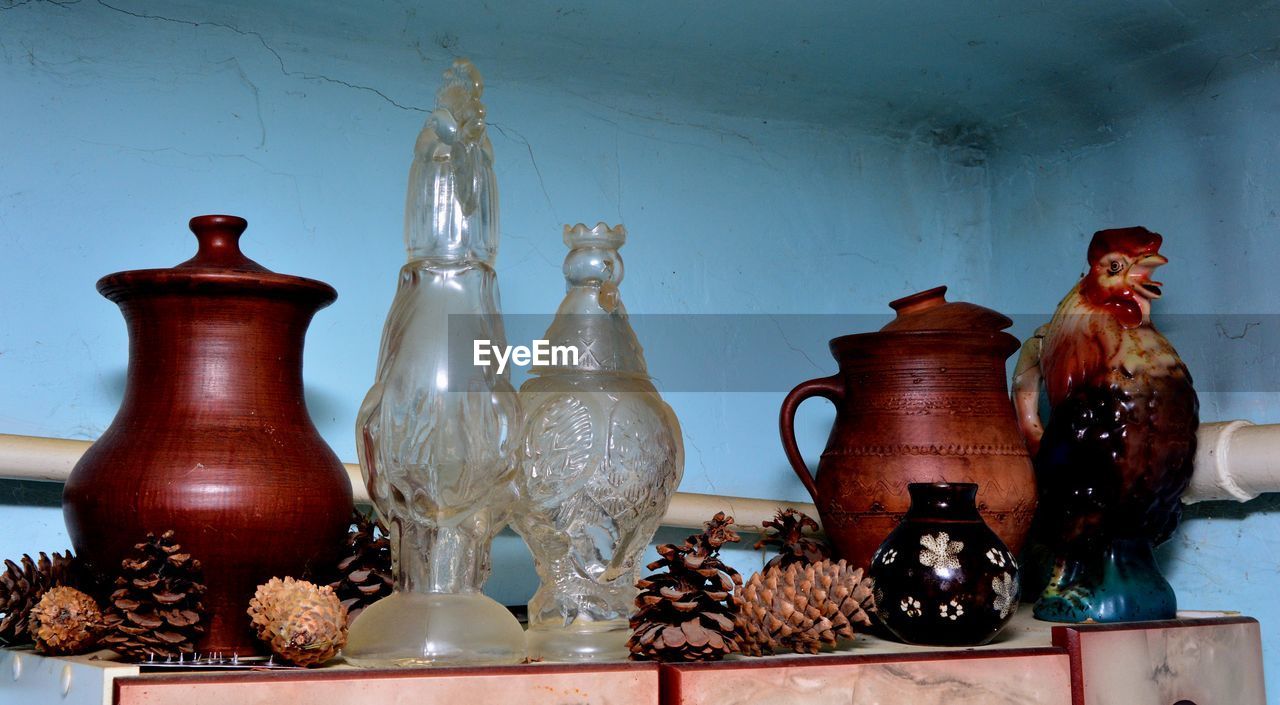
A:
690,612
22,586
303,623
803,607
788,537
363,575
65,621
155,610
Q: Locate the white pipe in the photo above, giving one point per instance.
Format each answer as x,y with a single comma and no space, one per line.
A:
1235,460
51,460
38,458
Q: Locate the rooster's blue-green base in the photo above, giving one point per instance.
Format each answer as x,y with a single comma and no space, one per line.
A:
1122,585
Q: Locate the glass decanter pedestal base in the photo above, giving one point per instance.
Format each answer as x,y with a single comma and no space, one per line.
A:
434,629
579,641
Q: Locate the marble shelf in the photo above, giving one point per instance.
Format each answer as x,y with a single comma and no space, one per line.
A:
1203,658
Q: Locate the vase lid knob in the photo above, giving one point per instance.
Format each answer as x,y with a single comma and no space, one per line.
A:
920,301
219,238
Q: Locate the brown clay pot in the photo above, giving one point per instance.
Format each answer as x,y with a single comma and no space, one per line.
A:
213,439
924,400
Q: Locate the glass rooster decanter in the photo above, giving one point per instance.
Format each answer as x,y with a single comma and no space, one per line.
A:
598,460
434,432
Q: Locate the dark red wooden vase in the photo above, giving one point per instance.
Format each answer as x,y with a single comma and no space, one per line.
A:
213,439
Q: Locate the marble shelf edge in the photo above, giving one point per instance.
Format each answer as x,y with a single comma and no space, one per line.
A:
94,678
1194,659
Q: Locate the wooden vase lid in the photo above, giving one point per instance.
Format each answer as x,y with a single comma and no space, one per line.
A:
218,267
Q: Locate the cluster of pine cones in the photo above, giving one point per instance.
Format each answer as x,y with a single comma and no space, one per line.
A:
699,609
155,609
23,584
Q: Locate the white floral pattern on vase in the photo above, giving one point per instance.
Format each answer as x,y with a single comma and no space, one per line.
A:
888,557
951,610
1006,589
940,553
996,556
911,606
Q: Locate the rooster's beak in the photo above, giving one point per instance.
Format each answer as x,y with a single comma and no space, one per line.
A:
1140,275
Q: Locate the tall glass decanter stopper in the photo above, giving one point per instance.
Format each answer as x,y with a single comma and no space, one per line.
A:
598,459
434,432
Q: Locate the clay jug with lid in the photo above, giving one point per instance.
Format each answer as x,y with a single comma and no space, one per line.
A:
923,400
213,439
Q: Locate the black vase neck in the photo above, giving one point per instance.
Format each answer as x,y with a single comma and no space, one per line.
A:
953,501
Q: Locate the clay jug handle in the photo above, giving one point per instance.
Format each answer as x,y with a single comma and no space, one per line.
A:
831,388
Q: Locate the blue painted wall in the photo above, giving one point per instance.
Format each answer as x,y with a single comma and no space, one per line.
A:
798,193
119,127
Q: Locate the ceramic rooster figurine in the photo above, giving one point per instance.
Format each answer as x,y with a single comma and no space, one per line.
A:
1117,451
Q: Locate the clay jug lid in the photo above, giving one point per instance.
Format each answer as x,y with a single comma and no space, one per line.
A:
930,310
217,267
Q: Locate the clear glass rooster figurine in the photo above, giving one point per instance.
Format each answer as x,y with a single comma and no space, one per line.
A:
599,457
433,433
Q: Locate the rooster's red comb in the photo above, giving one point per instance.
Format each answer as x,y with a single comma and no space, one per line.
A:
1131,241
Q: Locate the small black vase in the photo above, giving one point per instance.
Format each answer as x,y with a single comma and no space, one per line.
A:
943,577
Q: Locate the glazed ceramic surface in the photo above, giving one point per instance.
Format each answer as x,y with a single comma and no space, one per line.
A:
943,577
924,400
434,433
599,458
1116,454
213,439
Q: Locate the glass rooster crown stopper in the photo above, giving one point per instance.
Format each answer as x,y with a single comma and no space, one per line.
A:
592,318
